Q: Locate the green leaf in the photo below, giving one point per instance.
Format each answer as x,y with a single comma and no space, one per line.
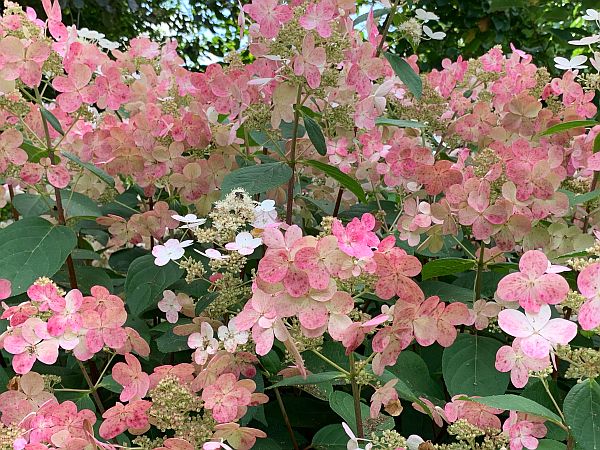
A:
34,154
33,247
399,123
414,373
406,74
85,402
469,368
565,126
345,180
315,134
588,197
120,260
446,266
32,205
146,282
582,413
52,120
511,402
330,437
79,205
87,277
257,179
549,444
596,147
313,378
446,291
91,167
503,5
171,342
110,384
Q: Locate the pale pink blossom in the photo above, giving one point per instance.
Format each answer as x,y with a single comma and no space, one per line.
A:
244,244
533,286
170,305
134,380
588,283
172,250
538,332
512,358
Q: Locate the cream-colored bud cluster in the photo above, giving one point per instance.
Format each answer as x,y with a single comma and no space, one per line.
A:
146,443
573,301
590,81
230,291
584,362
194,269
594,249
172,404
339,117
363,375
579,264
388,439
235,211
302,342
15,104
234,264
50,381
198,429
576,185
8,435
258,117
412,30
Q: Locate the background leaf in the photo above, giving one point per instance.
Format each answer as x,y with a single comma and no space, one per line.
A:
582,412
315,134
468,367
31,248
446,266
257,179
405,73
345,180
146,282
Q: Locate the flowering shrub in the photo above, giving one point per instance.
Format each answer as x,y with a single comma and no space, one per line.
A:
320,248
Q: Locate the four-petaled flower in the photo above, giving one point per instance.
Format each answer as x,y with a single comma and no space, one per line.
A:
172,250
538,332
244,244
535,285
134,380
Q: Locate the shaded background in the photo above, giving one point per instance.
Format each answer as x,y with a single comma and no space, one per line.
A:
207,30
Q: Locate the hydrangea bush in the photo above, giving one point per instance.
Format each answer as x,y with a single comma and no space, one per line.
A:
322,248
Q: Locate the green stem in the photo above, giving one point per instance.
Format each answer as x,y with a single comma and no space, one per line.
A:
356,396
286,419
92,387
386,27
554,402
480,264
467,251
292,162
59,206
104,370
331,363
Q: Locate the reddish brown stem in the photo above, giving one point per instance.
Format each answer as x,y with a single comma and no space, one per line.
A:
11,192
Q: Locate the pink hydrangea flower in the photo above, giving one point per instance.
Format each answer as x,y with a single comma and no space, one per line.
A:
512,359
204,343
588,283
318,16
533,286
75,88
538,332
231,337
477,414
30,343
524,430
134,380
120,418
170,305
482,312
394,270
67,320
357,238
386,397
269,15
16,404
311,62
228,397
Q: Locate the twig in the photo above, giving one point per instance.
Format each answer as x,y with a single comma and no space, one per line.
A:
356,396
286,419
480,265
292,163
338,202
14,211
386,27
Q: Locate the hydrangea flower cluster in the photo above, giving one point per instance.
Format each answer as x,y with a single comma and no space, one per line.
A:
322,221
